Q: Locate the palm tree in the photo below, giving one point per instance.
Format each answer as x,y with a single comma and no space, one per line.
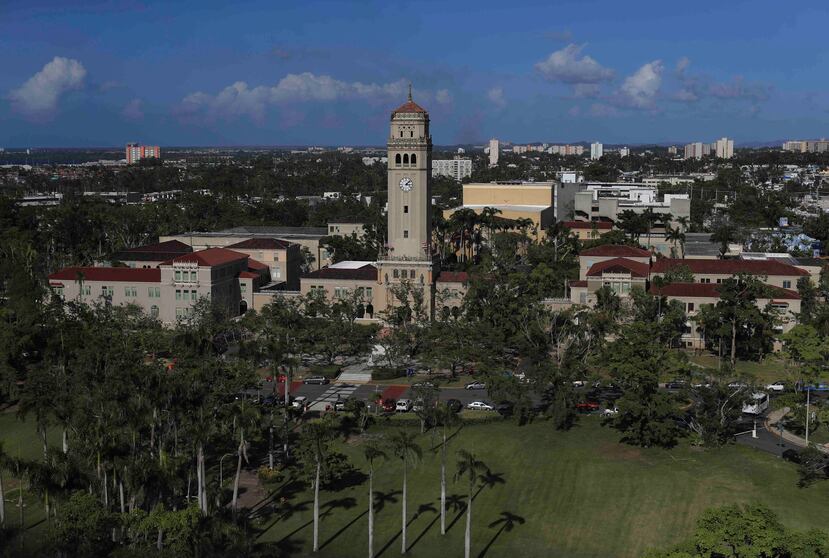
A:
318,434
447,419
372,453
473,468
408,451
246,417
675,235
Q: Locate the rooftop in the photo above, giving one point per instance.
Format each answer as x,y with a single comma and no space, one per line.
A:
113,274
210,257
261,243
619,265
365,273
616,251
153,252
453,277
729,267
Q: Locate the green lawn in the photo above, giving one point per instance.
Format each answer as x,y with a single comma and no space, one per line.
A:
766,371
580,493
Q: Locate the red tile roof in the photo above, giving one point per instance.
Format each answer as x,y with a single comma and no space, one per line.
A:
256,265
248,275
261,244
365,273
602,225
153,252
453,277
729,267
711,290
636,269
113,274
409,106
616,251
211,257
578,283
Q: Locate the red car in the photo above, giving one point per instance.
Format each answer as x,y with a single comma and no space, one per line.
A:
587,406
389,405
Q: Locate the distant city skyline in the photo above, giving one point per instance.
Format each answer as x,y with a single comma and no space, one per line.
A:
261,73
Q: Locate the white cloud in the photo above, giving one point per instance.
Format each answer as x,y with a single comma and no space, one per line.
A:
443,97
640,88
133,110
568,66
496,96
240,100
41,92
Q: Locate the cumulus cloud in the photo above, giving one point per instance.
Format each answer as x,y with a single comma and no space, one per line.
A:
568,65
639,89
241,100
133,110
738,88
443,97
496,96
41,92
694,88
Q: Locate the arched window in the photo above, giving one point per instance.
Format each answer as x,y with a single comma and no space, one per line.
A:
414,158
401,133
397,159
411,134
153,311
406,159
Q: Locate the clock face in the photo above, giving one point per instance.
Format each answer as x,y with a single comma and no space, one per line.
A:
406,184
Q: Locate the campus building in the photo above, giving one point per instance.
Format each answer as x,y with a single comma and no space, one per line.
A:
135,152
457,168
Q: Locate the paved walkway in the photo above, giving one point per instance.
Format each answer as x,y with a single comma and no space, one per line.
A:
771,424
251,491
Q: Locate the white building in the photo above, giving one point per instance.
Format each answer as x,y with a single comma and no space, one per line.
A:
457,168
624,152
494,149
694,150
595,151
724,148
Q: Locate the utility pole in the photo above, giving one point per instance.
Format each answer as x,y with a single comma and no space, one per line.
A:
808,392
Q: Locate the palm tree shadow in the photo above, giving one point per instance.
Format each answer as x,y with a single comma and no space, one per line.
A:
328,508
421,509
436,448
285,510
505,523
489,480
455,502
383,498
343,529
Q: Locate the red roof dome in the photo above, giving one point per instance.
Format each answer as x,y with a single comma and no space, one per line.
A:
409,105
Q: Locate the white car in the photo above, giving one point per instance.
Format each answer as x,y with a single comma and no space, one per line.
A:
475,385
299,402
579,383
480,406
610,412
403,405
776,386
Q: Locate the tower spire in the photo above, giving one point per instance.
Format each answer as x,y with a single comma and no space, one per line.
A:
410,91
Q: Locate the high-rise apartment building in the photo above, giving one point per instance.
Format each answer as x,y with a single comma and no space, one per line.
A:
724,148
595,151
494,149
457,168
624,152
694,150
807,146
137,152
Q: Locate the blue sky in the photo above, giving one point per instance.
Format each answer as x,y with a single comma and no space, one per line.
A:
328,73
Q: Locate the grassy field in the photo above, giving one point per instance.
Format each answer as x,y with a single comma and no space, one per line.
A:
576,494
579,493
766,371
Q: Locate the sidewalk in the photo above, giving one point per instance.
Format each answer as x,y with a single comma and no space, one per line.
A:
771,425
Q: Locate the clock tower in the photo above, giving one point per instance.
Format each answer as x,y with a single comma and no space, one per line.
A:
407,256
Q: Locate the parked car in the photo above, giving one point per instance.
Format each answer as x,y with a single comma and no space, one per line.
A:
299,402
319,380
676,384
778,386
403,405
389,405
454,405
480,406
475,385
735,385
609,412
587,406
339,405
579,383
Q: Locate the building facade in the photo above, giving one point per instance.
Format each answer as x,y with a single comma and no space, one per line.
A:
494,152
457,168
136,152
596,151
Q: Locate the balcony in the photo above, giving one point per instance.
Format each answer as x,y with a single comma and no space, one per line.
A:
387,255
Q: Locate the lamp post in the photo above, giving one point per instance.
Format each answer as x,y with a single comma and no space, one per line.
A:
808,392
221,461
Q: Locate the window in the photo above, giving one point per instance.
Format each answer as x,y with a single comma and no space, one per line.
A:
414,159
193,295
131,292
177,275
411,135
58,292
194,276
397,157
243,288
405,209
406,159
107,292
153,311
405,234
154,292
368,293
690,307
87,290
396,273
178,294
787,284
705,280
401,133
